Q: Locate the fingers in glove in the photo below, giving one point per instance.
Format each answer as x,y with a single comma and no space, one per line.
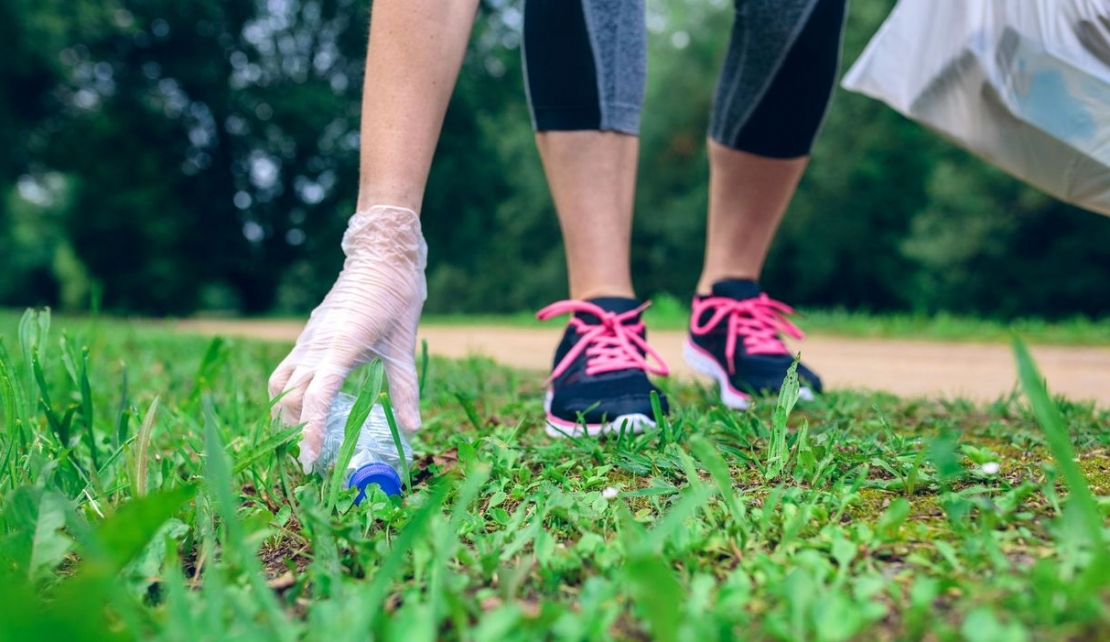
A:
278,384
404,391
318,398
289,408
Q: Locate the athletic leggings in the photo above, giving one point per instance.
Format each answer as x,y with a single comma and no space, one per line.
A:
585,68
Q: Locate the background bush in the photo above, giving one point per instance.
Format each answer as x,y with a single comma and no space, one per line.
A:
185,155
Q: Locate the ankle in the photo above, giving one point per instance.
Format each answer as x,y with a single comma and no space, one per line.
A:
597,292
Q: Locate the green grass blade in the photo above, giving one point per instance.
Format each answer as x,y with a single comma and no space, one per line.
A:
218,480
711,460
367,397
1048,415
60,427
215,356
267,447
69,360
675,519
387,406
142,450
180,619
7,464
124,533
36,545
10,395
21,402
219,484
34,327
657,593
112,458
788,396
466,400
661,421
423,365
123,415
391,565
87,408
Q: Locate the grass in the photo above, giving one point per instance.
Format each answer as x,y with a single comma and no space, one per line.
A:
147,495
668,313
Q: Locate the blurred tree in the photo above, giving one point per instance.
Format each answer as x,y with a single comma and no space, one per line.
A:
210,138
202,154
888,217
33,242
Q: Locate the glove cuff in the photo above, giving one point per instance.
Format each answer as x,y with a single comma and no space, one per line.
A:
386,232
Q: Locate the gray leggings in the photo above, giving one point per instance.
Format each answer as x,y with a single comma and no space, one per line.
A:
585,67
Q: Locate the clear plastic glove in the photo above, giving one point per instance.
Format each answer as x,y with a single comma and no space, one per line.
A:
371,312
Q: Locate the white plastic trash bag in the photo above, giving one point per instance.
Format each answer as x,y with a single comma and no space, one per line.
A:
1023,83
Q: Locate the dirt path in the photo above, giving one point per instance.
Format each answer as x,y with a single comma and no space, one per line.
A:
982,372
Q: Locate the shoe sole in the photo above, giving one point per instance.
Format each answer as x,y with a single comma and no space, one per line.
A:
703,362
559,428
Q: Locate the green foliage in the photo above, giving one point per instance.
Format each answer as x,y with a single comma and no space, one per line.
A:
776,450
204,154
36,545
877,521
1087,522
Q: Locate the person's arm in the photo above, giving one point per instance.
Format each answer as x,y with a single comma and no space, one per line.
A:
416,50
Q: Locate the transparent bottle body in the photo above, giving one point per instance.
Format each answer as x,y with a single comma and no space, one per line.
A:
375,441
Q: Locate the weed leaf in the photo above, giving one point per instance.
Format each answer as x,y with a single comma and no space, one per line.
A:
35,544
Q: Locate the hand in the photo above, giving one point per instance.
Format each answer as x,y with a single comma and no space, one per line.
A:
371,312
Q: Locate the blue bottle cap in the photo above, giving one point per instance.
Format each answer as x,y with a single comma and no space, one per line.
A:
377,473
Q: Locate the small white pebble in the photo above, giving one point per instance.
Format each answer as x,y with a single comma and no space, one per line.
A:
609,493
991,468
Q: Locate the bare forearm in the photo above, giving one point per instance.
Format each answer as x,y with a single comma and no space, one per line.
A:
416,50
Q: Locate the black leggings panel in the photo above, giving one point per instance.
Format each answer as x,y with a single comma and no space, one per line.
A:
586,61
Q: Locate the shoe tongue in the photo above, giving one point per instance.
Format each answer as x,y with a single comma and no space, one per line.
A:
615,304
738,289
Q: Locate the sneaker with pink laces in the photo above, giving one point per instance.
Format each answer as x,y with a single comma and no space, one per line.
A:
599,382
736,338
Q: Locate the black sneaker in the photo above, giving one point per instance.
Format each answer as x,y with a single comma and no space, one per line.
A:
736,338
599,376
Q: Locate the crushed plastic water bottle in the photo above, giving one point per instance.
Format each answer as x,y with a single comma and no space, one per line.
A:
375,459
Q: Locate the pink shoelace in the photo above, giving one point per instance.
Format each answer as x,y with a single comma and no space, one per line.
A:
611,345
760,321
